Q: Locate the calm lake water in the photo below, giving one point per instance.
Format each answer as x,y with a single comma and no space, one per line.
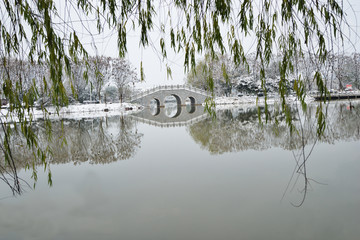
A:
139,177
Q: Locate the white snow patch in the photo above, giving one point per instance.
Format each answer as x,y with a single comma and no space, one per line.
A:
78,111
254,101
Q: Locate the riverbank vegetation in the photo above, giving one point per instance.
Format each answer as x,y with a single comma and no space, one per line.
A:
230,80
99,79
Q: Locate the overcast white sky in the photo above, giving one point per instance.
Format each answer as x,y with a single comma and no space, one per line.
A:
155,69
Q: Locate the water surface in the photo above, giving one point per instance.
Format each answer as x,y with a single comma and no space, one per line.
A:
229,178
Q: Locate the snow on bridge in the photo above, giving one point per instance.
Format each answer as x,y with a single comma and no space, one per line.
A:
180,92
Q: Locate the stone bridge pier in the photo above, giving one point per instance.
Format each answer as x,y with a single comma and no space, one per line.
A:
180,92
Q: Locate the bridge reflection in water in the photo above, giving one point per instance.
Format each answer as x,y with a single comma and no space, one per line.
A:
172,115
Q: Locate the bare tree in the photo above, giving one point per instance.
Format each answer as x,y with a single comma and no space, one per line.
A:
123,75
98,72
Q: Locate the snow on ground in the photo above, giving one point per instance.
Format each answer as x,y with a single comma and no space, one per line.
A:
80,111
226,102
96,110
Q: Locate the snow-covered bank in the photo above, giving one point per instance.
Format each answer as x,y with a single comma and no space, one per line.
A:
79,111
96,110
253,100
250,101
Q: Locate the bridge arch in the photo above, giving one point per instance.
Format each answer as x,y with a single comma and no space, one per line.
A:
177,98
190,108
180,92
155,106
191,101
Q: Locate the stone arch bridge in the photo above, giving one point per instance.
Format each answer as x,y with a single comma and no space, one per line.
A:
180,92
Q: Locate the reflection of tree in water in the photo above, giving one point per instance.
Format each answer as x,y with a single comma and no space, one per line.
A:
8,168
342,124
126,138
88,140
346,126
98,140
118,145
238,129
102,140
79,139
102,147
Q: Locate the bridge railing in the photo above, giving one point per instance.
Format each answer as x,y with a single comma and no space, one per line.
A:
168,87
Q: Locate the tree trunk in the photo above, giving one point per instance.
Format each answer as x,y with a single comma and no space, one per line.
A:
120,95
